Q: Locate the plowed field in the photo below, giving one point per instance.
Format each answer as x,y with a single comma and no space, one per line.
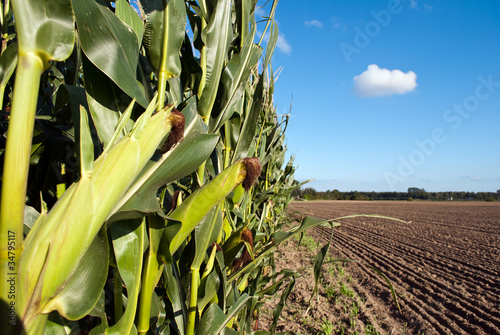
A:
444,263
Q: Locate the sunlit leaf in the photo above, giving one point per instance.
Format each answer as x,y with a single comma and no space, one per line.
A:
235,76
82,291
105,101
128,245
110,45
249,127
8,62
318,264
45,27
214,319
176,296
164,34
217,37
127,14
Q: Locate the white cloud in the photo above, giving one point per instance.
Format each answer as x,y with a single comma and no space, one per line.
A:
282,44
259,12
377,82
415,5
337,24
474,178
314,23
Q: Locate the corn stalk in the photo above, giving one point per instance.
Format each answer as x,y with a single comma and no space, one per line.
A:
145,163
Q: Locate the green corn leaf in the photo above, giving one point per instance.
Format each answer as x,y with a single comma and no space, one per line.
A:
76,97
8,62
86,145
204,235
271,44
57,325
99,311
270,19
210,286
204,9
204,232
281,304
235,76
318,264
307,223
127,14
45,27
181,161
164,34
232,246
176,297
222,292
121,126
250,124
83,290
217,37
214,319
110,45
105,100
158,312
128,244
243,10
128,247
272,289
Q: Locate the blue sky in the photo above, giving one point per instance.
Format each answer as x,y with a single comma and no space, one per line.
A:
389,95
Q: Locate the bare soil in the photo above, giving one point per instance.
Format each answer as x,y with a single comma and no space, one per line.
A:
444,264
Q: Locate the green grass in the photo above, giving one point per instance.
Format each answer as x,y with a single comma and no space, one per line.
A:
370,330
353,323
355,309
327,327
344,290
330,291
308,242
340,269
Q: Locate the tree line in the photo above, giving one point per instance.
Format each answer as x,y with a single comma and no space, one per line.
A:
413,193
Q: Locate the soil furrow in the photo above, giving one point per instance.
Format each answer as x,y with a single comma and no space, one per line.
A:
391,266
422,294
419,255
444,265
456,313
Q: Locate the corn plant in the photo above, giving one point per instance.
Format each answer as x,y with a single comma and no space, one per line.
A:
144,183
